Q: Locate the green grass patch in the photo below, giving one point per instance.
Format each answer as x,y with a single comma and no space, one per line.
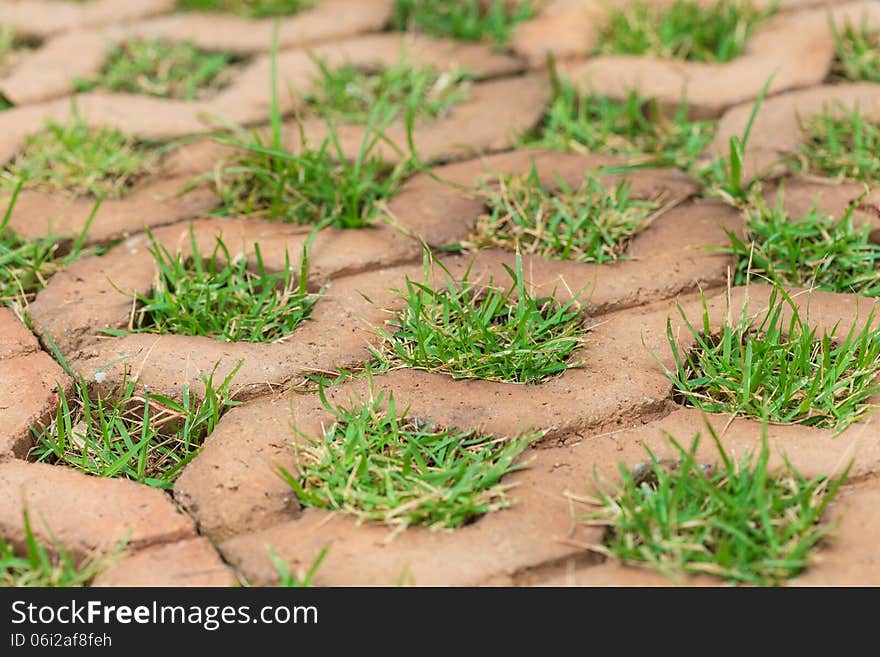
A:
27,265
467,20
351,92
75,158
44,567
592,223
736,520
478,330
686,29
856,53
164,69
815,250
248,8
773,366
318,185
130,433
311,185
634,128
382,465
219,297
840,144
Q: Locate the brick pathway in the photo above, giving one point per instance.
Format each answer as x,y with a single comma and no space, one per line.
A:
229,506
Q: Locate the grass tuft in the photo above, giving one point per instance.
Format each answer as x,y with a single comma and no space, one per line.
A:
686,29
384,466
774,367
43,567
220,297
131,434
75,158
26,266
164,69
634,128
590,224
319,186
467,20
314,185
469,330
737,520
815,250
856,53
841,144
351,92
248,8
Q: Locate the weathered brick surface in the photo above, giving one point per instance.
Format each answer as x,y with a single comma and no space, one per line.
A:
328,20
191,562
231,495
850,557
15,338
29,379
52,69
485,121
85,514
164,196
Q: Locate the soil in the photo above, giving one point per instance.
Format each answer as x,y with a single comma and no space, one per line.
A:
229,505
